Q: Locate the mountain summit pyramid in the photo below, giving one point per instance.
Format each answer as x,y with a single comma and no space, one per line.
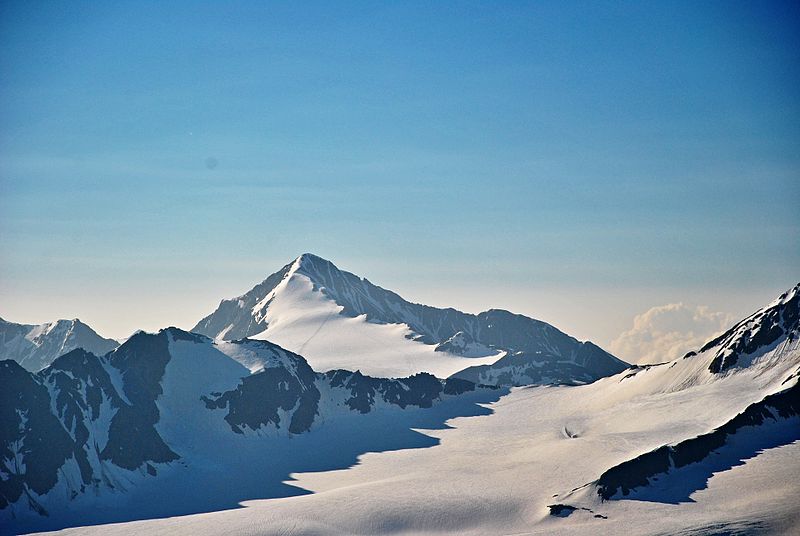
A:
36,346
339,320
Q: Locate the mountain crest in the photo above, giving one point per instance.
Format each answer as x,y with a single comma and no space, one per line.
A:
308,262
777,322
36,346
331,316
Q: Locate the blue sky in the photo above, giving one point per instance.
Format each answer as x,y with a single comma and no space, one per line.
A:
578,162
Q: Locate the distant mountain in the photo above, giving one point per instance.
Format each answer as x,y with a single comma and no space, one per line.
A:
339,320
36,346
87,427
763,339
565,363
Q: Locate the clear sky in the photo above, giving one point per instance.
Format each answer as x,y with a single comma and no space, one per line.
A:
580,162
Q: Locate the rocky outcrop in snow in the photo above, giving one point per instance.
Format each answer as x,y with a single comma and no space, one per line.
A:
758,333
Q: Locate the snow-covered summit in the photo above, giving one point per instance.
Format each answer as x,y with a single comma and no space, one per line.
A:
337,319
36,346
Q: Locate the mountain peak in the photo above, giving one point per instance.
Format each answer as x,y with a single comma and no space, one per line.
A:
36,346
63,323
786,297
331,317
313,266
310,258
70,322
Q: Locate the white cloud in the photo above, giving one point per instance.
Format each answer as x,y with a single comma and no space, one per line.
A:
667,332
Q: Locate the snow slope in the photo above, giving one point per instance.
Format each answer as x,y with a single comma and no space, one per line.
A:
338,320
499,472
307,322
175,423
36,346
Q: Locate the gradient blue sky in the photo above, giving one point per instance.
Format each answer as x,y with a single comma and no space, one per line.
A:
579,162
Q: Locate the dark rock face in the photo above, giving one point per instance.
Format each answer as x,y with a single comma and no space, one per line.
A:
566,510
48,418
503,329
180,335
132,437
757,332
79,383
636,473
30,435
420,390
449,329
457,386
256,401
561,510
54,416
73,370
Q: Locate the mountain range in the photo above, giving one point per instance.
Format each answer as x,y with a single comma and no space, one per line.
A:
338,320
87,427
269,417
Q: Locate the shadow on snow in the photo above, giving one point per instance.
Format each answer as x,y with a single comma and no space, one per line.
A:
678,485
253,467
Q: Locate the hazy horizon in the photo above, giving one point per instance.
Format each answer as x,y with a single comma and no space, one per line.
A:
580,164
584,318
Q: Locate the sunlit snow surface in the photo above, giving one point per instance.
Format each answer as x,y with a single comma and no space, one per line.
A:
497,473
305,321
338,320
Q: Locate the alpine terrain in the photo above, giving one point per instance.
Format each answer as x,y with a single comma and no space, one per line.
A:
116,437
338,320
36,346
176,432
